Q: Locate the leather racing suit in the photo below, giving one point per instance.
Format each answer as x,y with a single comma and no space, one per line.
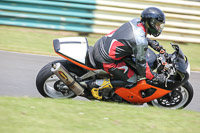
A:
128,40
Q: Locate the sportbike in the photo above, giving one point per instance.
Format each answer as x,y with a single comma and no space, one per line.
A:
69,77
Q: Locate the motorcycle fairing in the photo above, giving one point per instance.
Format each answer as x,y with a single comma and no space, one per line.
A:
133,95
74,49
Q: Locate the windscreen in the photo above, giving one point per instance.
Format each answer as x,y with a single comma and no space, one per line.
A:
181,60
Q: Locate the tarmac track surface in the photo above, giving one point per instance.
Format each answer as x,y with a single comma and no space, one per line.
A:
18,75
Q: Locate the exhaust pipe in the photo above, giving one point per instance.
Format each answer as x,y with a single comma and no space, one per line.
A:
67,79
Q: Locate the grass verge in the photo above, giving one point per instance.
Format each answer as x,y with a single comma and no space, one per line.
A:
39,41
29,40
27,115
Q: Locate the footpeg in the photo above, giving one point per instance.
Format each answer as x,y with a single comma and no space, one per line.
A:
104,84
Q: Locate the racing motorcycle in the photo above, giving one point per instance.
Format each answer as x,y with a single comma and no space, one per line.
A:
69,77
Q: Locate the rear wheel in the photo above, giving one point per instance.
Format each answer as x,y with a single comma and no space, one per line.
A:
49,85
177,99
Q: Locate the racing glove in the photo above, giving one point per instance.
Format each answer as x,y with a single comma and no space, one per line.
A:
154,44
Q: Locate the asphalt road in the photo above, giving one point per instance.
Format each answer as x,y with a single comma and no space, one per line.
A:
18,73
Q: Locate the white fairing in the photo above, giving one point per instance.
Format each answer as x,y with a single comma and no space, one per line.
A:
74,47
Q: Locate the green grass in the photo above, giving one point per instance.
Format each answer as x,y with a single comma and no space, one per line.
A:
39,41
29,40
27,115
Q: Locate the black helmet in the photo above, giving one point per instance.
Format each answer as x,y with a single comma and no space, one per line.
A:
154,20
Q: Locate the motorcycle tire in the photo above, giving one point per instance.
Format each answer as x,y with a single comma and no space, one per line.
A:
46,81
183,98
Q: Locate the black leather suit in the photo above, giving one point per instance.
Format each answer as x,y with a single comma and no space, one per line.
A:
127,40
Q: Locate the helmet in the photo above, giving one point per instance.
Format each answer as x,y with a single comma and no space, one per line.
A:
153,20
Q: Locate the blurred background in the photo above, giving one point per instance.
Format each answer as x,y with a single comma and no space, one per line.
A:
102,16
30,26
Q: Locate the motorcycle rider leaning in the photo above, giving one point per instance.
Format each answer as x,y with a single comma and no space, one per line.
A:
129,40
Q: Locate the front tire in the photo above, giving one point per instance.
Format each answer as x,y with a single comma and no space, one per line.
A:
179,98
49,85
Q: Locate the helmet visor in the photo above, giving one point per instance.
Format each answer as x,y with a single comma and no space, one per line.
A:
159,26
156,27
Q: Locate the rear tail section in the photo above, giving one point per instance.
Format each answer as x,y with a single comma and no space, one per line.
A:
74,49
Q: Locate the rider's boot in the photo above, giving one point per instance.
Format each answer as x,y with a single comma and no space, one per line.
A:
102,84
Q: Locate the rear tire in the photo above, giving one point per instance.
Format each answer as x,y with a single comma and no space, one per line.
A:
179,98
49,85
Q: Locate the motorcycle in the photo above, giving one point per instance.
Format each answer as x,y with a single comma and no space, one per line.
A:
69,77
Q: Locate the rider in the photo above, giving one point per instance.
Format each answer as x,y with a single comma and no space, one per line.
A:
129,40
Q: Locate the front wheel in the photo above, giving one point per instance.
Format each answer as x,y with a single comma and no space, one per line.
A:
179,98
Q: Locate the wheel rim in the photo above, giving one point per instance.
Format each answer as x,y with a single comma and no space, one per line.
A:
176,100
51,91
